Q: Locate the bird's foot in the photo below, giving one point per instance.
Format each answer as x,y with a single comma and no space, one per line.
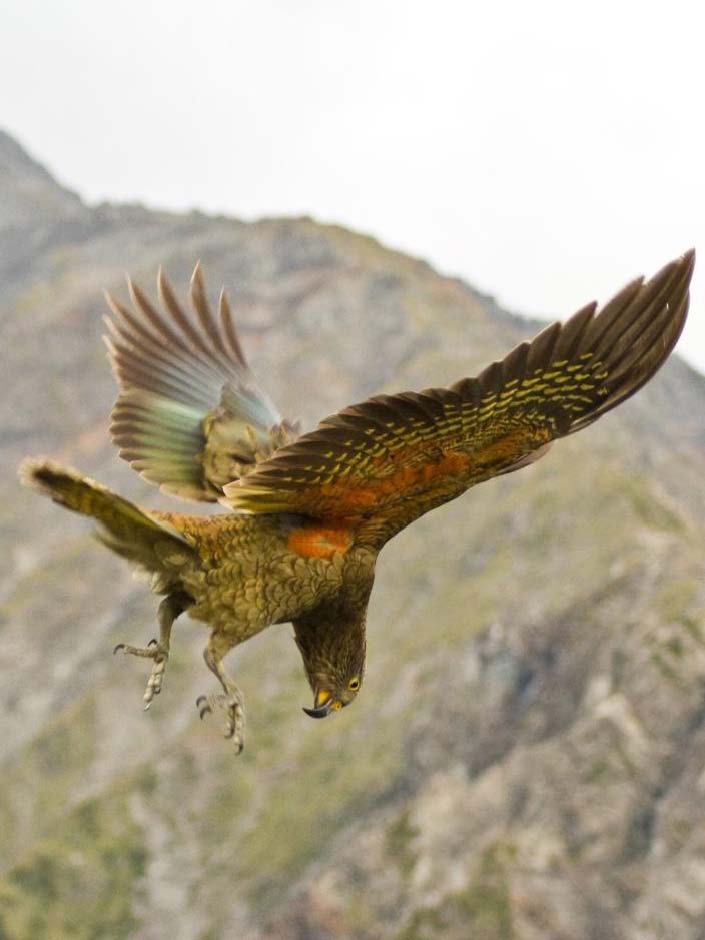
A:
234,707
160,654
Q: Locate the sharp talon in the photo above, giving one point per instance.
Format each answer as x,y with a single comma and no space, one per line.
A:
232,704
205,708
159,654
146,707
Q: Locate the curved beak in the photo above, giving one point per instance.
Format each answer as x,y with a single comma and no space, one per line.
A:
323,705
321,712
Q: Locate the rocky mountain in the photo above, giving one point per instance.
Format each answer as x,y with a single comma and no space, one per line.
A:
527,758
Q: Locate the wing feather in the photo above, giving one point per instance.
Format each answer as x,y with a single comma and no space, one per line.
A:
383,462
190,415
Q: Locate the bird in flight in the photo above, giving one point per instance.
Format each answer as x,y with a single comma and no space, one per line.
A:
310,513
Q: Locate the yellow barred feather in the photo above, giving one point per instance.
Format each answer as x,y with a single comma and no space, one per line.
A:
387,460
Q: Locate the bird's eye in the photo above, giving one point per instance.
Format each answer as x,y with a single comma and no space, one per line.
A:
354,684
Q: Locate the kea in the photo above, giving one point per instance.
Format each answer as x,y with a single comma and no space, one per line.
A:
309,514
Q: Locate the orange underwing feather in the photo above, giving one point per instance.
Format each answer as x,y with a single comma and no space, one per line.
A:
318,541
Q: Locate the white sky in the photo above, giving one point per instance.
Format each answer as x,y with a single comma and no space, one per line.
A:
545,151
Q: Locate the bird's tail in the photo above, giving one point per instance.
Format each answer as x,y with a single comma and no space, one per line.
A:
128,530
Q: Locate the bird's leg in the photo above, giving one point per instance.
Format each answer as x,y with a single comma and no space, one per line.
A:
230,699
158,650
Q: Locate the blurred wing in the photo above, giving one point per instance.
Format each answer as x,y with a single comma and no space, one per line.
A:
382,463
190,415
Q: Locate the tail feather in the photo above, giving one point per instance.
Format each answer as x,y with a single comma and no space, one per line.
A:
128,530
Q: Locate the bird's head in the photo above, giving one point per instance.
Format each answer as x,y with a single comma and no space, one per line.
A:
334,661
333,693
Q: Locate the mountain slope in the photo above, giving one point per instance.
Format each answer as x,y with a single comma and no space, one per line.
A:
526,757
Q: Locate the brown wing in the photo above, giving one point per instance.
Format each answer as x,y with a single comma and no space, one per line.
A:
387,460
190,415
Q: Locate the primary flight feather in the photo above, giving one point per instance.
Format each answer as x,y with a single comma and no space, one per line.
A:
311,512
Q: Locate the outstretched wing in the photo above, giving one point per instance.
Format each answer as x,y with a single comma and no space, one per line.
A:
382,463
190,415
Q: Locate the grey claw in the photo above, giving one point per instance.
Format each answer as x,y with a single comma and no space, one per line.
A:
203,706
120,646
152,642
233,728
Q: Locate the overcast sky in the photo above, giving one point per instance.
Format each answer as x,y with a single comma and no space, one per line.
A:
545,151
